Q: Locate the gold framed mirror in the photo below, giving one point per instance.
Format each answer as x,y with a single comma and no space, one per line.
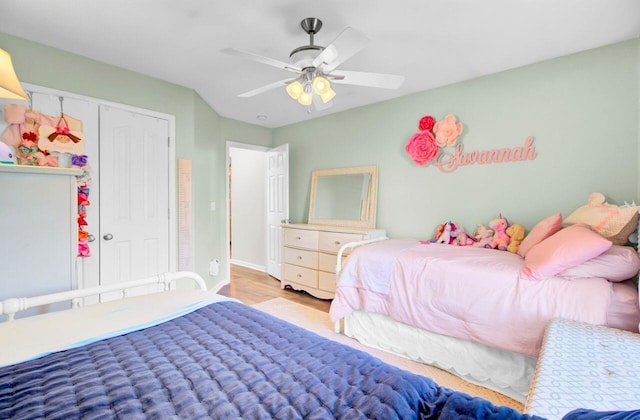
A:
344,197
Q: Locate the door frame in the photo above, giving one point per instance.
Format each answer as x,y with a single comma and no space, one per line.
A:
173,210
233,145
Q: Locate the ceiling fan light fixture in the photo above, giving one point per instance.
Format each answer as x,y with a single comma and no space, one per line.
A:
306,98
321,85
328,95
295,89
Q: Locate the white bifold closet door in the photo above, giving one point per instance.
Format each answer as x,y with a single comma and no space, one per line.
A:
128,216
134,197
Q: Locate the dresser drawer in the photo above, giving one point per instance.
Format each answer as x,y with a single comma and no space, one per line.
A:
332,241
327,281
301,257
300,238
301,275
327,262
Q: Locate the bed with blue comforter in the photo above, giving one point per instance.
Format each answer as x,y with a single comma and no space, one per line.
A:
223,360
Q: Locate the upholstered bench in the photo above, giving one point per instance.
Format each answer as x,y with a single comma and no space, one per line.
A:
585,366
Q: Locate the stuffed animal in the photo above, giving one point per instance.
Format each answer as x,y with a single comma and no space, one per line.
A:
28,152
7,155
446,236
439,230
483,236
462,238
500,238
516,235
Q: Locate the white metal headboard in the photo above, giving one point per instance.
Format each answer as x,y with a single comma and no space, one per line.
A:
10,307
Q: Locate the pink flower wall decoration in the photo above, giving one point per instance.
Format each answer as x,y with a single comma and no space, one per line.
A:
447,131
422,147
426,123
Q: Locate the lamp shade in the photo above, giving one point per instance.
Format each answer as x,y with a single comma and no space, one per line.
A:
9,83
295,89
328,95
321,85
306,98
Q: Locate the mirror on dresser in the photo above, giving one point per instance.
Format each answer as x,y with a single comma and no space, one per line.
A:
344,197
342,209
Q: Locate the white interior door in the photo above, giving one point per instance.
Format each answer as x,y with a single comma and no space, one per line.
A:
134,186
277,205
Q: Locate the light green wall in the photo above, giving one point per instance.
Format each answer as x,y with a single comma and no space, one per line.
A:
201,134
582,110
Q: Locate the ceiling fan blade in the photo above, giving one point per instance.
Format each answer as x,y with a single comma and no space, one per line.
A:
261,59
359,78
265,88
347,44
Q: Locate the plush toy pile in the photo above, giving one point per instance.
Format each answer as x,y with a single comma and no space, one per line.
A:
499,234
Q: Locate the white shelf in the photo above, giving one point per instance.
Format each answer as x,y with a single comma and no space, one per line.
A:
48,170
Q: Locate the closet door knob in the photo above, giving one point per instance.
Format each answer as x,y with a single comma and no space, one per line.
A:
108,237
91,238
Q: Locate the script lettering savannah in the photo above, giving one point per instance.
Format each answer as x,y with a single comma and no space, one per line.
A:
449,162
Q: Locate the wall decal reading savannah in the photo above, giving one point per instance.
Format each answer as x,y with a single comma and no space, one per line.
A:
429,144
449,162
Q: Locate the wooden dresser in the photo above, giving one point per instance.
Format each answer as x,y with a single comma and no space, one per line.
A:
309,254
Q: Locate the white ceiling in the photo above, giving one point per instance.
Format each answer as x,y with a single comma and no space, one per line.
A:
431,42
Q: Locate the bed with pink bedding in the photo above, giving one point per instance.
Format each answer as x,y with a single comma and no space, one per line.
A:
475,295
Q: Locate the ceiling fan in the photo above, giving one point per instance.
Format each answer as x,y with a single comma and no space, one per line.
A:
315,67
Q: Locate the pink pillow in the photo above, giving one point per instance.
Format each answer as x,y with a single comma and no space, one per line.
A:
565,249
540,232
618,263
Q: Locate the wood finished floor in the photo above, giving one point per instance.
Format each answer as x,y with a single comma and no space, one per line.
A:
251,287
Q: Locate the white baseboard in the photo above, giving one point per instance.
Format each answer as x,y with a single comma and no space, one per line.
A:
252,266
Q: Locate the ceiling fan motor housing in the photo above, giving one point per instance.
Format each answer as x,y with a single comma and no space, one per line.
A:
302,57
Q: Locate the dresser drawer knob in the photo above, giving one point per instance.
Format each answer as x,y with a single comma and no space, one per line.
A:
299,276
298,237
299,257
337,242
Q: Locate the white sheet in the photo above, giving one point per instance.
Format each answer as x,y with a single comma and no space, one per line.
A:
34,337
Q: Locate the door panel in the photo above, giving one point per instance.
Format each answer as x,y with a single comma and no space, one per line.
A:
134,162
277,205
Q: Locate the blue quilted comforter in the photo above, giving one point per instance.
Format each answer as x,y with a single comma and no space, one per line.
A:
226,360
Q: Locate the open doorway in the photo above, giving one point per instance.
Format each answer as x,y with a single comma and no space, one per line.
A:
246,205
257,203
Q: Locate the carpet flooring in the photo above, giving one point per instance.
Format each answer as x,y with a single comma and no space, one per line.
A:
319,322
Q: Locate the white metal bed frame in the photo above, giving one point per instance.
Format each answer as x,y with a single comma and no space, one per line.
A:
9,307
341,251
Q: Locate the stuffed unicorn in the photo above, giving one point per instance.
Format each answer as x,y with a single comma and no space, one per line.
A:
500,238
446,236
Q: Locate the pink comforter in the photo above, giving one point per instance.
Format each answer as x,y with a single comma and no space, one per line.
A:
469,293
